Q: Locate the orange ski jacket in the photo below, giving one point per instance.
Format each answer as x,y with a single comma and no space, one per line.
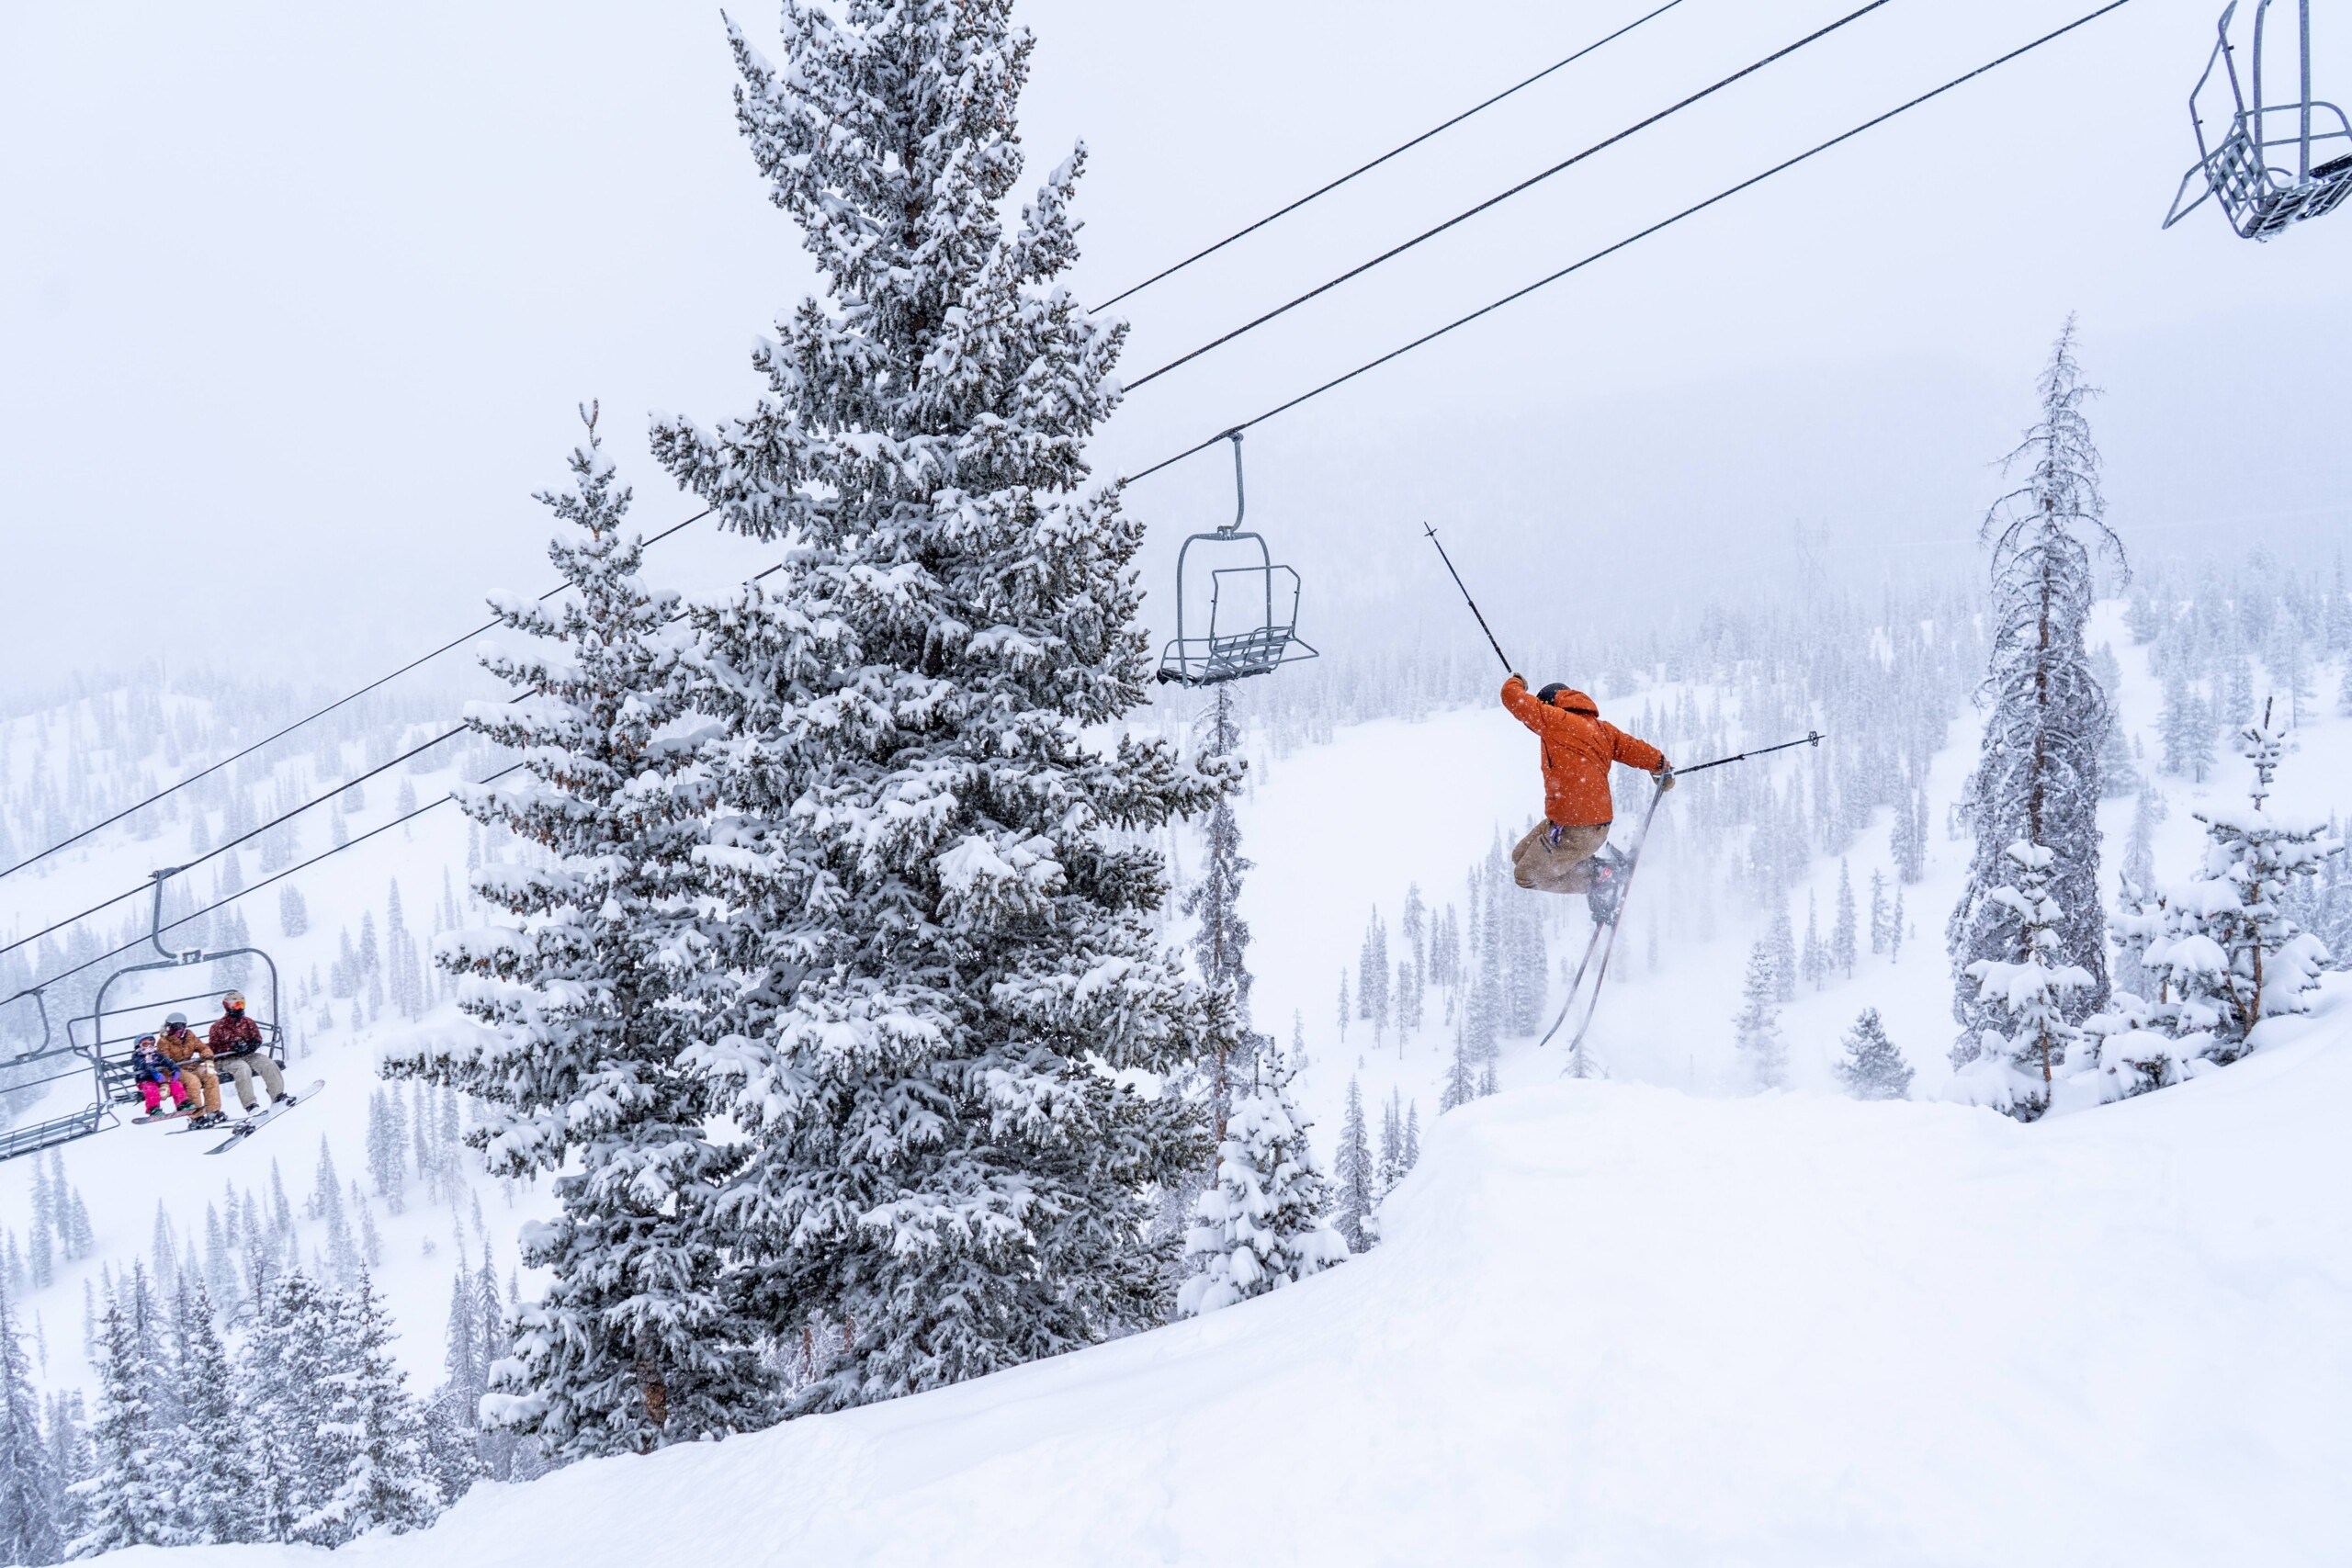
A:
1579,746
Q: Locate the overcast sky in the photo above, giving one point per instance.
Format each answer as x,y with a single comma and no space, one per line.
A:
295,300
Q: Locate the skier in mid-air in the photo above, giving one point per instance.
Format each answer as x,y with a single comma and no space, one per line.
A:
1566,853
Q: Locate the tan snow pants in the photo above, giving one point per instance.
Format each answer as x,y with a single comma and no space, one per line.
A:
1553,860
203,1084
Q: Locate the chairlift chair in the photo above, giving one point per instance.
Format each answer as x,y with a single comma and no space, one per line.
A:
1252,607
109,1054
67,1063
2240,170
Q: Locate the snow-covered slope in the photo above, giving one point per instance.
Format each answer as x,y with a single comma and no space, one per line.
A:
1618,1324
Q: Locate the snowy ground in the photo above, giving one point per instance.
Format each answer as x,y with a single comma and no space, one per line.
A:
1651,1320
1622,1324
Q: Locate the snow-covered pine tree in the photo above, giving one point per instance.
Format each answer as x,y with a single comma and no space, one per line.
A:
1461,1085
1261,1225
207,1436
28,1523
592,996
1780,953
1872,1068
2227,953
2037,781
128,1471
1813,966
371,1444
1758,1026
2013,1070
940,888
1390,1166
1359,1194
1221,941
1842,930
1882,913
289,1356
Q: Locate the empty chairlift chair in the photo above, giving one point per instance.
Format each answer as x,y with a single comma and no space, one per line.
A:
1251,606
2273,165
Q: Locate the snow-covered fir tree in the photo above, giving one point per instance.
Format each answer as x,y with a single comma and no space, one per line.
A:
2223,950
1221,940
1358,1195
2037,781
29,1532
209,1421
940,888
1844,932
1872,1068
130,1467
1261,1224
1781,953
1757,1029
369,1436
2013,1070
590,1000
289,1356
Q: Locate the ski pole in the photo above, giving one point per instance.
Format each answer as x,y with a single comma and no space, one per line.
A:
1467,600
1812,738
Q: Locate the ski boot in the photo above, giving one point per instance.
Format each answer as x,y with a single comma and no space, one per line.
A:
1608,888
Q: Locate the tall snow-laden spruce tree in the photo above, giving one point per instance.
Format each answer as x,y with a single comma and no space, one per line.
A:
370,1436
1221,943
30,1530
2037,781
130,1471
948,987
591,998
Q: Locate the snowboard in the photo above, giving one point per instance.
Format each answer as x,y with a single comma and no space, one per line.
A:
161,1116
245,1129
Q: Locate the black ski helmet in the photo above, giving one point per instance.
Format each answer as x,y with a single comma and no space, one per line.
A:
1550,692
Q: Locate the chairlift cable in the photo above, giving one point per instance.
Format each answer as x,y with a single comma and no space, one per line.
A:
219,849
1402,147
307,719
356,839
1497,199
1516,295
279,819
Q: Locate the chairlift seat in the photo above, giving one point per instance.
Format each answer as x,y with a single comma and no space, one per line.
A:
2261,198
1253,621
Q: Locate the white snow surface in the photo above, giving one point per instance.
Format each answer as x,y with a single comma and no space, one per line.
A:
1621,1323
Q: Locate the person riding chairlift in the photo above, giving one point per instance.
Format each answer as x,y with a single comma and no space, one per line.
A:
236,1041
193,1057
154,1070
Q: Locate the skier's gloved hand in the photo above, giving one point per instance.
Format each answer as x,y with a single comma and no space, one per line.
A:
1665,777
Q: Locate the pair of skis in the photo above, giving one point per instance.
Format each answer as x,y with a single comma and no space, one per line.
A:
1602,943
239,1131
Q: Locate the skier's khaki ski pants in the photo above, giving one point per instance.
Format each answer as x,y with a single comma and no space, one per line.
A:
1553,860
